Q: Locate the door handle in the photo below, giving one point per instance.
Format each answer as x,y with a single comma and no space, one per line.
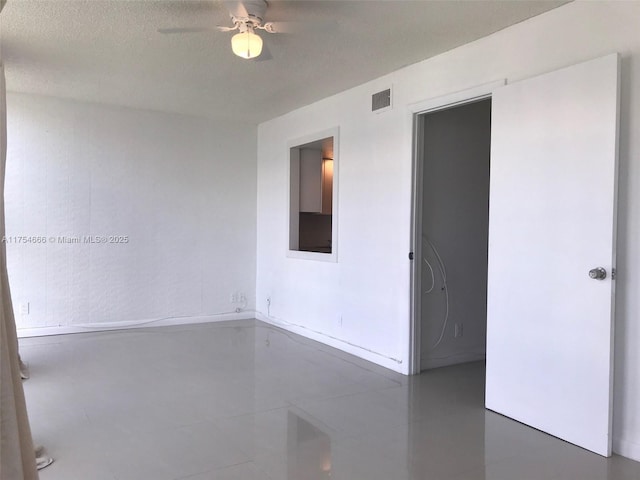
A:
598,273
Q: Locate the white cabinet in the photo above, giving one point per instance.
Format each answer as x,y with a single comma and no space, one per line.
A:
316,182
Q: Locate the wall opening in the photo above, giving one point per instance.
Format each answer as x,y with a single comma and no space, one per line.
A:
454,234
312,198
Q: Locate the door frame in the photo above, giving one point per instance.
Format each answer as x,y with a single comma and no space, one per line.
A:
418,111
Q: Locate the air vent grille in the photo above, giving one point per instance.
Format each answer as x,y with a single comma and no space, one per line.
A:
381,100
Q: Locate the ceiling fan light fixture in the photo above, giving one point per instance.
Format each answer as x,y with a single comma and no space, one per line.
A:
246,44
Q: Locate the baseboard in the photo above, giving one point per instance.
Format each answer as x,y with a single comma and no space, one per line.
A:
394,364
626,448
126,325
453,359
361,352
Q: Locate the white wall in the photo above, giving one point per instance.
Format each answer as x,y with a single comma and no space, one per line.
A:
361,303
181,188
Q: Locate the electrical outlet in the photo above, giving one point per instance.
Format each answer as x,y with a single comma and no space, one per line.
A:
24,308
237,297
458,330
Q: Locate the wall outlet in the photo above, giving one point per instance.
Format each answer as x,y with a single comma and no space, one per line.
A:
237,297
24,308
459,330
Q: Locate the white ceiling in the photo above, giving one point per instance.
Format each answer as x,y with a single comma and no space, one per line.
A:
109,51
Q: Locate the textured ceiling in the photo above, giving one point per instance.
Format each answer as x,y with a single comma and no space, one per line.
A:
111,51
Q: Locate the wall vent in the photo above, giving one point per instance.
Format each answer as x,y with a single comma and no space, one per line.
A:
381,101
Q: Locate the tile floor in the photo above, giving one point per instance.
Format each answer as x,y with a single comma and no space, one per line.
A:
245,401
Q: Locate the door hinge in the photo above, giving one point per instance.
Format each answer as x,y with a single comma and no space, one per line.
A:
410,255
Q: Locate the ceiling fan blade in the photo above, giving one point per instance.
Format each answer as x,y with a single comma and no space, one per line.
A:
284,27
226,29
236,8
322,26
191,6
169,31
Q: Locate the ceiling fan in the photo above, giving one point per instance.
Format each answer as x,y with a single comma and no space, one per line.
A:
247,16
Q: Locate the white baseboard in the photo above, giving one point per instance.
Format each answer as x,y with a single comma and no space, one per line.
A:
453,359
126,325
396,365
626,448
361,352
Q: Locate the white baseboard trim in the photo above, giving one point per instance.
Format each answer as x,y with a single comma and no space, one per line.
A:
127,325
453,359
374,357
626,448
361,352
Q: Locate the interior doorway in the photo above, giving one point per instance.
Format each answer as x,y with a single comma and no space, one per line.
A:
554,141
452,226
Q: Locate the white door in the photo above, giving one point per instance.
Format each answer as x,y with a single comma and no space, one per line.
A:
551,221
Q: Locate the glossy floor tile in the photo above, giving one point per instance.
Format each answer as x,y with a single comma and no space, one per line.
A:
245,401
